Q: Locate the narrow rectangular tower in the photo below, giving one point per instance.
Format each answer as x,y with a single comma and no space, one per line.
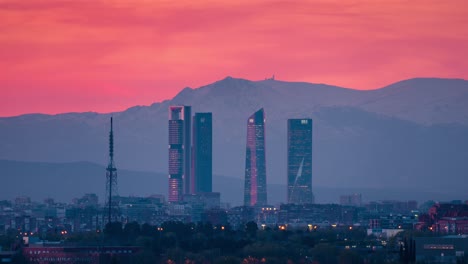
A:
187,149
202,157
179,152
255,190
300,161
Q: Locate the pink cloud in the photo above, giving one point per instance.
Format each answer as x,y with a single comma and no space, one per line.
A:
139,52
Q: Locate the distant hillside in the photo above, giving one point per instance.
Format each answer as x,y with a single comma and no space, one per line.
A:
409,135
65,181
422,100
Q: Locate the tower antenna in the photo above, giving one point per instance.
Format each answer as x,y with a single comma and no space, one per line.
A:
111,178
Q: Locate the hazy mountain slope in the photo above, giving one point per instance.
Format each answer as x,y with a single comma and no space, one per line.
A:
65,181
428,101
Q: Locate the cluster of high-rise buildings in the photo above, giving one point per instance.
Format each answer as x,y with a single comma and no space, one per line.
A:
190,157
190,153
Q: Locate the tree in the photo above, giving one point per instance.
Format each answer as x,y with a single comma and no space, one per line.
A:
114,232
132,231
227,260
147,230
350,257
251,229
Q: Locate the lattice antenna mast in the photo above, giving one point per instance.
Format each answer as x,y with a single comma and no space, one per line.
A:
111,177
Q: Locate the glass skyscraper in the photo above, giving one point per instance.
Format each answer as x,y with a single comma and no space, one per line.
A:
202,157
179,152
300,161
255,190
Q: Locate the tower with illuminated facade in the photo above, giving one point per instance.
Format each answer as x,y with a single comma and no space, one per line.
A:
255,189
179,152
300,161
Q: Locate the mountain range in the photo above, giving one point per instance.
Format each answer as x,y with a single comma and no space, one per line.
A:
411,135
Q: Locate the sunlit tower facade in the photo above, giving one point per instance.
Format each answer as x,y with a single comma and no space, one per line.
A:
111,180
179,152
300,161
202,157
255,189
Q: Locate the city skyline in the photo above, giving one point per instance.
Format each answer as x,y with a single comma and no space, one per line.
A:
362,158
233,99
201,210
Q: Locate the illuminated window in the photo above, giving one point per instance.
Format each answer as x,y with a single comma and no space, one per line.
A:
438,247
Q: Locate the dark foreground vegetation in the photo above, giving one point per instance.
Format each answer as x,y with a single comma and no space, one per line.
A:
179,243
176,242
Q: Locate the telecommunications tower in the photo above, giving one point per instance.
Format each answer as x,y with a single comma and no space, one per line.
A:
111,180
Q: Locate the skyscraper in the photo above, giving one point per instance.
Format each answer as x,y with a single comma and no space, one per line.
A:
202,157
255,192
300,161
179,152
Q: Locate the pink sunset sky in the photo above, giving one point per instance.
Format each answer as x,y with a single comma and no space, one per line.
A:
94,55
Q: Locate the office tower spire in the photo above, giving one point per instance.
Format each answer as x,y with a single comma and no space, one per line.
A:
179,152
111,179
300,161
202,157
255,192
